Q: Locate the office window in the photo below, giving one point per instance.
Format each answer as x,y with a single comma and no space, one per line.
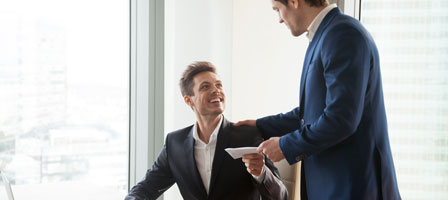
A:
412,37
64,100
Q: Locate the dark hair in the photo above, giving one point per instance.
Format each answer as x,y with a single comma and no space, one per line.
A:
186,81
312,3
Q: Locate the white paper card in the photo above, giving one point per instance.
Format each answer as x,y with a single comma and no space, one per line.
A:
239,152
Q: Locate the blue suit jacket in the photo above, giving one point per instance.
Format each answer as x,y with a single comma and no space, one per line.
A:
229,177
339,131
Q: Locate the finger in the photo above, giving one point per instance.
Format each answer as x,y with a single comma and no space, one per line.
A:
254,166
254,171
257,162
248,122
239,123
247,156
275,158
252,156
261,147
270,155
254,162
250,161
249,170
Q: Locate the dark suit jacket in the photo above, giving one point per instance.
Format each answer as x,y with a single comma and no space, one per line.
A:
229,178
339,130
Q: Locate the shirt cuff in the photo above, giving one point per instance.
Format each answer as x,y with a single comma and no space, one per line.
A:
260,178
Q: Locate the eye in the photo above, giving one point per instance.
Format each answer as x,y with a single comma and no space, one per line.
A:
219,85
205,86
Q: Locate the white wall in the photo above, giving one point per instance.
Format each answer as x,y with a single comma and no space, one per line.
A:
267,61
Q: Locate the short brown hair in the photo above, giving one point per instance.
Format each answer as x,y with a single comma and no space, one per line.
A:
312,3
186,81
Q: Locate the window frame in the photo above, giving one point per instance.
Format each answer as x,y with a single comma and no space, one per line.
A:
349,7
146,115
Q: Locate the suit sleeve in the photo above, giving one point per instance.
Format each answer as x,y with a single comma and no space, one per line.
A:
157,180
278,125
272,187
346,64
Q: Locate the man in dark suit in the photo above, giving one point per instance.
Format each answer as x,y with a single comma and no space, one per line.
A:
194,157
339,131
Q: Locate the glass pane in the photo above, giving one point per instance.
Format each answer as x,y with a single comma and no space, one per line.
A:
412,37
64,100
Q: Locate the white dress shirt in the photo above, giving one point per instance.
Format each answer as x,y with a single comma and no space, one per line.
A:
204,154
317,20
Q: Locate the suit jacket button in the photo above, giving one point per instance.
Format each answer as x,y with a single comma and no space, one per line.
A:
302,122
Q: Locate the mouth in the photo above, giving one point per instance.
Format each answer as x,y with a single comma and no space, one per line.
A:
216,100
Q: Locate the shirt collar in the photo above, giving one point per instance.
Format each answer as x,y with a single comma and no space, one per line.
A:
214,135
317,20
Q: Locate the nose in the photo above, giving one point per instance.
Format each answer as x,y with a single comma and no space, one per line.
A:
216,90
280,19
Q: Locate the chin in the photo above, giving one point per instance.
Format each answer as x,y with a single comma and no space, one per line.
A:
297,33
215,111
219,111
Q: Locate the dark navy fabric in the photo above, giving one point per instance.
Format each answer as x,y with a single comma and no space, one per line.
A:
229,177
339,131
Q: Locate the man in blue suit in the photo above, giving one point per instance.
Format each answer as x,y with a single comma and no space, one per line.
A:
339,131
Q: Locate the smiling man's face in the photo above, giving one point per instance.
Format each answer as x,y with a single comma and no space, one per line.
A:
209,97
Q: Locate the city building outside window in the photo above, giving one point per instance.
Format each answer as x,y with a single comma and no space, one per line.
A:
64,100
412,38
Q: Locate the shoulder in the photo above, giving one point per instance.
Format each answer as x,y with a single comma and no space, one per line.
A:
345,36
248,131
244,135
345,27
179,134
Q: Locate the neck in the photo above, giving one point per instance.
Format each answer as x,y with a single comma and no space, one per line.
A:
312,12
206,126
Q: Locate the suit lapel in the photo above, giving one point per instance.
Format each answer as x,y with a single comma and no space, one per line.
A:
311,49
191,163
223,139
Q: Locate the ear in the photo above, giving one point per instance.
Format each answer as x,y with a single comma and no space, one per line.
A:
188,101
294,3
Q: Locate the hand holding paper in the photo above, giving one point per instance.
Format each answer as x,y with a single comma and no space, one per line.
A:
271,148
239,152
252,159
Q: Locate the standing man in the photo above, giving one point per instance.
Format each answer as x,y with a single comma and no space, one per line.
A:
339,131
194,157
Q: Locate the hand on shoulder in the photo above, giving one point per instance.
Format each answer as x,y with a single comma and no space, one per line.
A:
249,122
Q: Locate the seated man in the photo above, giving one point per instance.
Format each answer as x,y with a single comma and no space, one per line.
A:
194,157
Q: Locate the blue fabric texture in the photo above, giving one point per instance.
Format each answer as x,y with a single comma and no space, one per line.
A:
339,130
